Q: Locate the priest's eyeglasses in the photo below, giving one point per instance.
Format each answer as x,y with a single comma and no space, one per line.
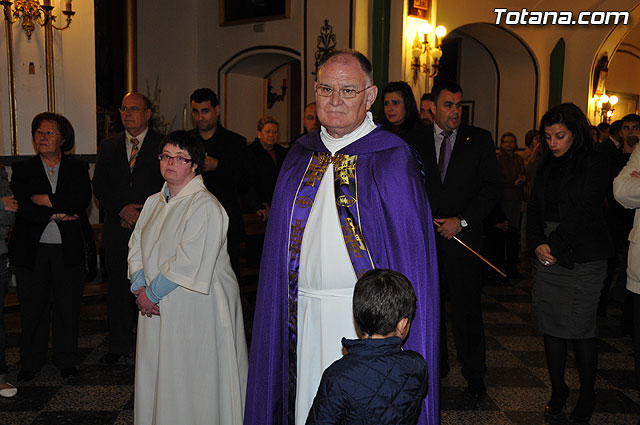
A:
344,93
178,160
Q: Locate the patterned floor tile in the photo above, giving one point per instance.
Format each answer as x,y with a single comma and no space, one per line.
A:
66,417
474,418
90,398
502,317
28,399
520,399
457,398
498,359
510,329
512,377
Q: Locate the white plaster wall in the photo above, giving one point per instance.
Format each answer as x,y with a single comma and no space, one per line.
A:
74,69
244,89
168,44
479,82
624,72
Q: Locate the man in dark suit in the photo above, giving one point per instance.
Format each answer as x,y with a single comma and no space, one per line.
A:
226,172
127,172
463,185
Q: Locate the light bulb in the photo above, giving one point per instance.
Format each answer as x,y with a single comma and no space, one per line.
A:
425,28
613,100
441,31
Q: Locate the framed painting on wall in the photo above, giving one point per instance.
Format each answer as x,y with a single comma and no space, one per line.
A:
467,112
236,12
420,8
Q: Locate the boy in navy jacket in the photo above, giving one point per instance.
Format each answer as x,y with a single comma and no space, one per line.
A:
376,382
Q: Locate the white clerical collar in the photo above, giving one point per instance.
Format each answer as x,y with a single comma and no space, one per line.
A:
335,144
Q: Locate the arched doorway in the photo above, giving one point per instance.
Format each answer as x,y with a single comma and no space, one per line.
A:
252,84
621,47
499,75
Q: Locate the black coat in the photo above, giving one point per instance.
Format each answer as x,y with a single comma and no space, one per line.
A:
232,181
472,184
376,383
582,235
73,195
415,135
115,186
266,171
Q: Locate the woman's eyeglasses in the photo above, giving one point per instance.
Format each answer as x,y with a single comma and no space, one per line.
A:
178,160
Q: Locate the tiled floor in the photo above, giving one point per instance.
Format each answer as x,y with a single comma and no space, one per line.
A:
518,386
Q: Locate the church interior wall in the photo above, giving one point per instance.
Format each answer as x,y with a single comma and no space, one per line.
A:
74,70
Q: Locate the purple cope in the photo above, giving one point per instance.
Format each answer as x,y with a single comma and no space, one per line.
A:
395,224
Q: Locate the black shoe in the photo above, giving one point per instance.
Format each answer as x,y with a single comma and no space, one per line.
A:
68,372
26,376
556,405
476,387
110,358
582,412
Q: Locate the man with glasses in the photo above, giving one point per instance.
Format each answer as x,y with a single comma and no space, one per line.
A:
126,174
349,198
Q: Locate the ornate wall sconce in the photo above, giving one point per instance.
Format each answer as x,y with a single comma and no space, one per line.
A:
422,46
604,106
273,98
32,13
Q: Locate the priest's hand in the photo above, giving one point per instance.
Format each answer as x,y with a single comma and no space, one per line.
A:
448,227
145,305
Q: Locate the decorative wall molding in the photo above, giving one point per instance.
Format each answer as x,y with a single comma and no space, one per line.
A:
326,43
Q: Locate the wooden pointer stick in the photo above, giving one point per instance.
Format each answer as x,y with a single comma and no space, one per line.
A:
475,253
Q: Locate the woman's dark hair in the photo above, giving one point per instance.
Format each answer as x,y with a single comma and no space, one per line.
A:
531,134
381,299
410,108
64,127
576,122
188,142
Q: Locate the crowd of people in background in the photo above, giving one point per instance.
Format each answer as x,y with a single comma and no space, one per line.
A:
173,234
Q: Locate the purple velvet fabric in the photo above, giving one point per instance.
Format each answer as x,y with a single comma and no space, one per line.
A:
397,226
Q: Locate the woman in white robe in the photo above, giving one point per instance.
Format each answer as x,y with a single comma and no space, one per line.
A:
191,355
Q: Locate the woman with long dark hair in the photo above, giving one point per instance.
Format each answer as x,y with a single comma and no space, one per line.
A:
400,113
567,234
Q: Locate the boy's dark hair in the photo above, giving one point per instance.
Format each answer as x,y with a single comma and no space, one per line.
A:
381,299
204,94
630,118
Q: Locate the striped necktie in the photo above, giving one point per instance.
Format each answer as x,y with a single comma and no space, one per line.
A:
134,153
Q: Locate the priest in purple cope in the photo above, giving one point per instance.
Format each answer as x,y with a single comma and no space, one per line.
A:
350,197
